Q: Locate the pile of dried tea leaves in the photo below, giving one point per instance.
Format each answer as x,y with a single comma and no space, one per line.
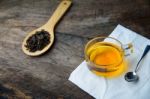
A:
38,41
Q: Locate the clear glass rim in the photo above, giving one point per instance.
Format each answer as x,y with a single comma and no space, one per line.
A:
100,66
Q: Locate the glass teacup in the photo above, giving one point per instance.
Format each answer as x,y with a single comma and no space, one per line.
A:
105,56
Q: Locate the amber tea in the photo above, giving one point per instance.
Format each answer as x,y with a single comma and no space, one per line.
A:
105,58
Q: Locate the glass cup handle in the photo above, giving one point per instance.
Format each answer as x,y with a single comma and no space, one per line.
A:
128,49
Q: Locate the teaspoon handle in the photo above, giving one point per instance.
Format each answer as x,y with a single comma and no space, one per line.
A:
144,53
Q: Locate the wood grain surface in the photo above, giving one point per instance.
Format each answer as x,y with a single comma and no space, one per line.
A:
46,77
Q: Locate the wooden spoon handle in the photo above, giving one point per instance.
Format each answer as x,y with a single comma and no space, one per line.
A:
59,12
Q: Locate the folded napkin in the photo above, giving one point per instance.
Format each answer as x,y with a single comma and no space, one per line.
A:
118,88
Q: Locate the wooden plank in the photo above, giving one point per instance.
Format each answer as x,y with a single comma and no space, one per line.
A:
85,18
44,76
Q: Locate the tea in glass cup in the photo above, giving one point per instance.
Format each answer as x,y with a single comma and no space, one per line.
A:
106,58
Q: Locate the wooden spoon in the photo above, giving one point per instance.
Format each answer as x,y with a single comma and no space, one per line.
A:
49,27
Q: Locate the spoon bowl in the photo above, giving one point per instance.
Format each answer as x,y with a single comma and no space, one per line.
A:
131,77
49,27
36,53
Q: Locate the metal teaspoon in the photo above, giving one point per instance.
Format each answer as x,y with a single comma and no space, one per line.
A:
132,76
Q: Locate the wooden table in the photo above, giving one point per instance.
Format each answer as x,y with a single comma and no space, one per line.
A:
46,77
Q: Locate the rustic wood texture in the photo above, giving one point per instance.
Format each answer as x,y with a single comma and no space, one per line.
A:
46,77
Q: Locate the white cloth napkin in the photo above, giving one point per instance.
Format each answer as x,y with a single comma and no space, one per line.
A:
118,88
